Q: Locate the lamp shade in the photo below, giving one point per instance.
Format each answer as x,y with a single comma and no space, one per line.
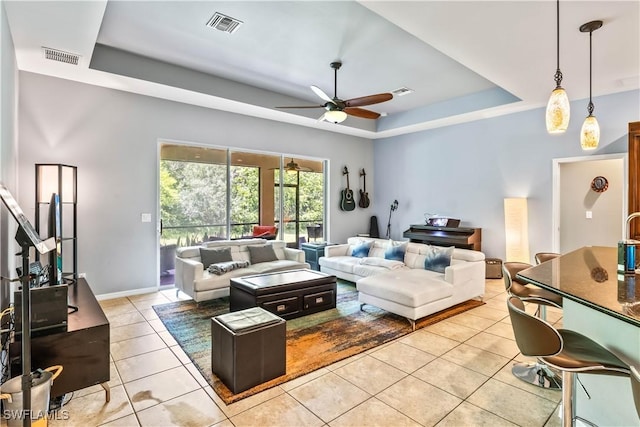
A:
516,227
558,111
590,133
335,116
55,178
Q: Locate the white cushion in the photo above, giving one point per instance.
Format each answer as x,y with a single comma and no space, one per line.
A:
340,263
281,264
381,262
409,287
467,255
368,270
212,281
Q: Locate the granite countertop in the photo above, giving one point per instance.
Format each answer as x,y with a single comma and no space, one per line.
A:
589,276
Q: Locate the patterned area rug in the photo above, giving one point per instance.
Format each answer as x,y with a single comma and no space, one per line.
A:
313,341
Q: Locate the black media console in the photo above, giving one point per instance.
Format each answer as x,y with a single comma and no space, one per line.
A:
82,350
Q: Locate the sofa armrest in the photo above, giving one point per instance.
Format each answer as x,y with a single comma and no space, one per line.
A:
190,270
464,272
336,250
294,254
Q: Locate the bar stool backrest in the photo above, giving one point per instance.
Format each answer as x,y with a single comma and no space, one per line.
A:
635,387
534,336
545,256
512,284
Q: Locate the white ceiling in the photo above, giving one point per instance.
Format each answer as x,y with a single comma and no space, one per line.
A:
465,59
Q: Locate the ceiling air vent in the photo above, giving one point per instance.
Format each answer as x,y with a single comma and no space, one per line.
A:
61,56
402,91
224,23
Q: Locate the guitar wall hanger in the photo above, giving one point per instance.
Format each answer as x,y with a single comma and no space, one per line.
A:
364,196
347,203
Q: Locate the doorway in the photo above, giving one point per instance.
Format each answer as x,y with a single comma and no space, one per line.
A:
589,201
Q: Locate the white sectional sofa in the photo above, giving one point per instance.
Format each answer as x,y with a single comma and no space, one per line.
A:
195,280
405,287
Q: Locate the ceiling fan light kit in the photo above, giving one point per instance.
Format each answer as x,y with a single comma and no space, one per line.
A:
590,132
338,109
558,108
335,116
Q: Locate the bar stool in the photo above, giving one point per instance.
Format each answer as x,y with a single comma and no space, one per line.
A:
545,256
563,349
537,373
540,258
635,387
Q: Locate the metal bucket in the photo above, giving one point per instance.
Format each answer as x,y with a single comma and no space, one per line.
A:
11,393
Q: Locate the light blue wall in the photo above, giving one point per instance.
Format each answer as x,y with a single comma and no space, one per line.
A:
465,171
112,137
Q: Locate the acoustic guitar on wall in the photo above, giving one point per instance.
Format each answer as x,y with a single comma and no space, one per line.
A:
364,196
347,203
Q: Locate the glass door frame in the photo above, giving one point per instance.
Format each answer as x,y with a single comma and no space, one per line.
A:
229,150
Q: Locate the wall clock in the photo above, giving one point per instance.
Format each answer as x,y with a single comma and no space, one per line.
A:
599,184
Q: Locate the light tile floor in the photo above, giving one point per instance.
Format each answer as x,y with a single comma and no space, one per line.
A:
454,373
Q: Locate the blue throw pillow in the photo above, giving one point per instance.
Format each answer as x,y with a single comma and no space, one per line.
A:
361,250
395,251
438,259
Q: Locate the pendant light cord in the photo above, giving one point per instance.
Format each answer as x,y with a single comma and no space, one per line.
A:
558,76
590,106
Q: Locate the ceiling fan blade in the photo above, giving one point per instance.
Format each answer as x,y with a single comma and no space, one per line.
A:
361,112
321,93
303,106
368,100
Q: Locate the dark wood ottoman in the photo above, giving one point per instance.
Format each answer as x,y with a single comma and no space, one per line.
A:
248,348
289,294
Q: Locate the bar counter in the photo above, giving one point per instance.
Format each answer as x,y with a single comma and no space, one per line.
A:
589,277
604,306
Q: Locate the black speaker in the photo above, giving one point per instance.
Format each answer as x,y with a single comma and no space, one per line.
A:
373,227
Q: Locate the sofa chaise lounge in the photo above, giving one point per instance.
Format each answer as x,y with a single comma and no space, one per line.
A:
400,283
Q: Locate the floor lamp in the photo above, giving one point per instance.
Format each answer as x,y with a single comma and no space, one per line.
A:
516,223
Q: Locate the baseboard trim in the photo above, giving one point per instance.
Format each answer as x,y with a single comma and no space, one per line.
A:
131,292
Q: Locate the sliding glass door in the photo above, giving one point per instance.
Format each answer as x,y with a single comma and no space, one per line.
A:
302,201
218,193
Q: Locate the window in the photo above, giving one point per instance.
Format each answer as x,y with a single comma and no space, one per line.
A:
218,193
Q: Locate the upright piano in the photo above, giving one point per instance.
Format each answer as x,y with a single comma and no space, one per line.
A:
460,237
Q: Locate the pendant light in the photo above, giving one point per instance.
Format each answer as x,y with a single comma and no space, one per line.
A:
590,132
558,107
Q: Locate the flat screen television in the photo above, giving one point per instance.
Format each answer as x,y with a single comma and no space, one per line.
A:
55,231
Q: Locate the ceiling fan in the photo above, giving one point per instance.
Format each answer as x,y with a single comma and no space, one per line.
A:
338,109
294,167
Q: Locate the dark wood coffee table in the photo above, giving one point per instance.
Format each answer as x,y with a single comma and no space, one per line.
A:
289,294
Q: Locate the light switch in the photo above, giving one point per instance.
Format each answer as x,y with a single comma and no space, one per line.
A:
589,214
145,217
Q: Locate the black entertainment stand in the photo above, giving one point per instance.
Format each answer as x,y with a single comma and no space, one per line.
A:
83,350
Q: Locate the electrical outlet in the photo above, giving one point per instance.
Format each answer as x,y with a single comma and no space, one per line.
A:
145,217
82,275
589,214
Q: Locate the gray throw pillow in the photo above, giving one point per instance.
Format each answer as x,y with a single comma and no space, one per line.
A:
260,254
214,256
